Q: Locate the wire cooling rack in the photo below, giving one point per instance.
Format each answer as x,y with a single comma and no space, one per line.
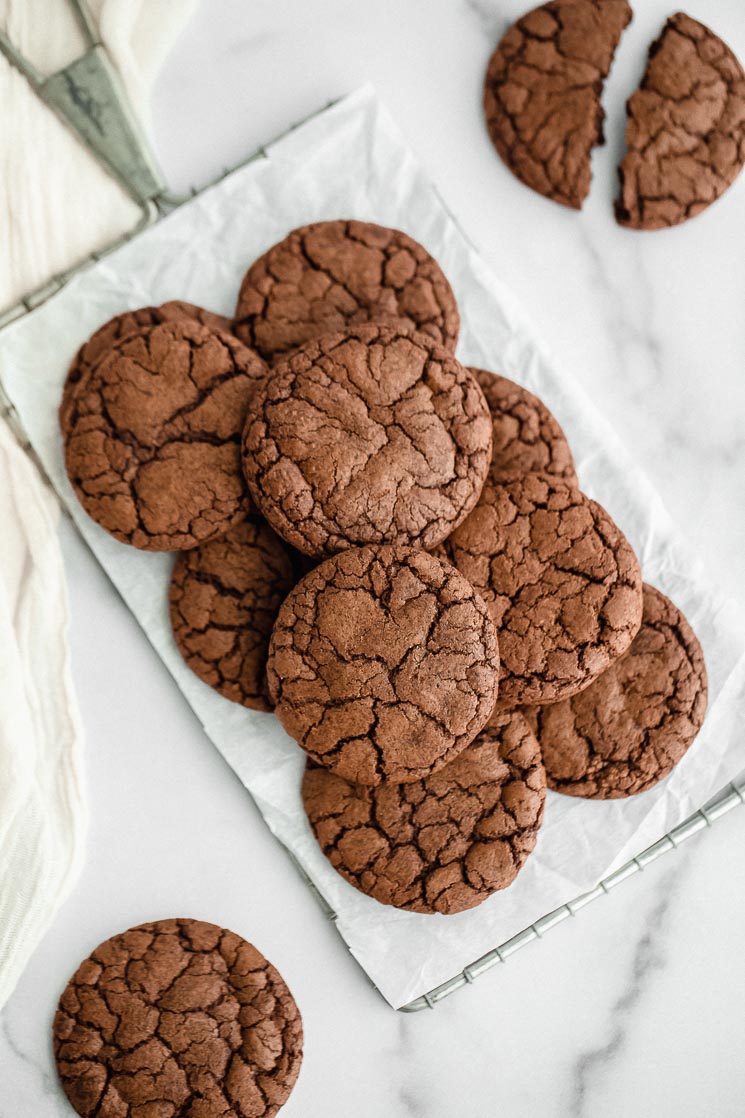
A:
88,97
732,795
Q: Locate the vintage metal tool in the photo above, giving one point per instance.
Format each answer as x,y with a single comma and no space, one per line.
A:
88,96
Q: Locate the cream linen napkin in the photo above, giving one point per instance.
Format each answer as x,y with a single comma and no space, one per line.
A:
42,811
56,206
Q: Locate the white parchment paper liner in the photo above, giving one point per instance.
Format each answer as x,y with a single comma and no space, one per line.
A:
351,161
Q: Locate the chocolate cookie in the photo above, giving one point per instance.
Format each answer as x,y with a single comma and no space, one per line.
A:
119,327
542,93
443,844
325,277
383,664
177,308
562,583
369,436
173,1018
152,440
526,437
630,728
686,128
224,598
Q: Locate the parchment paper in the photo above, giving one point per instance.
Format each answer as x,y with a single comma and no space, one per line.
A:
350,161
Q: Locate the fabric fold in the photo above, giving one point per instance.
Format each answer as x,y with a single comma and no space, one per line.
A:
42,809
56,206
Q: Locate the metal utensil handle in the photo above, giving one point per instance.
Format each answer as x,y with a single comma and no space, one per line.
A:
88,96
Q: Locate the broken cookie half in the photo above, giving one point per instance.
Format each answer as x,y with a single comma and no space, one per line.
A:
542,93
686,128
686,121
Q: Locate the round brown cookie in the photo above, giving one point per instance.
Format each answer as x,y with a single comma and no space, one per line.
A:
443,844
152,441
369,436
630,728
383,664
562,583
119,327
525,435
325,277
224,598
177,308
686,128
173,1018
542,93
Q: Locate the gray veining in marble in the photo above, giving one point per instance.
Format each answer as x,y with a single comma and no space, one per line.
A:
648,959
491,19
411,1092
22,1056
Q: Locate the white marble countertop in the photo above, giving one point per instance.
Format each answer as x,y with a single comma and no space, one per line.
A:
636,1007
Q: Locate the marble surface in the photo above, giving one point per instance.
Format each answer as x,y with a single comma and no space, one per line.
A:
635,1007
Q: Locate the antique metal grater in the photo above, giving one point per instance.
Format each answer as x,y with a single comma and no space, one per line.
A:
88,96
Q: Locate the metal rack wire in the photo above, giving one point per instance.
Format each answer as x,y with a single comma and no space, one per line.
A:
120,146
733,795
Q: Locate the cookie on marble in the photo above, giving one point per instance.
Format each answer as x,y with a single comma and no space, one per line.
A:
224,597
561,581
632,726
152,440
369,436
119,327
383,664
542,93
526,437
442,844
177,1017
686,128
333,274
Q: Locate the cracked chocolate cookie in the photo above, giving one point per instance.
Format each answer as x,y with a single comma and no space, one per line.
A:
383,664
542,93
526,438
443,844
370,436
562,583
629,729
686,128
152,440
173,1018
325,277
224,597
122,325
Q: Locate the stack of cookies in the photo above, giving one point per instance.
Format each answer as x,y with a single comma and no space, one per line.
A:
390,550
